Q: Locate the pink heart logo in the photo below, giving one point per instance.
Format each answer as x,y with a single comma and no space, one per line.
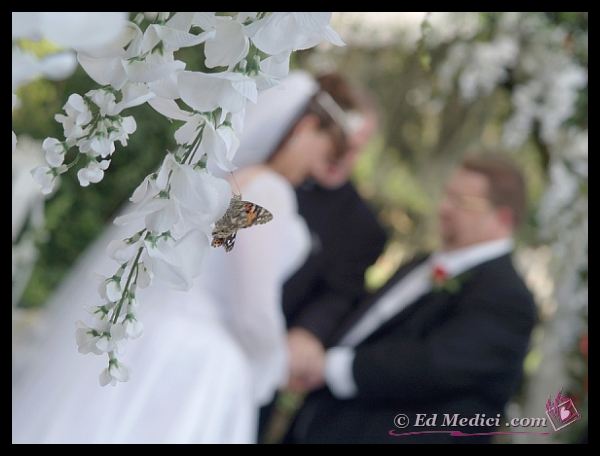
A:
564,413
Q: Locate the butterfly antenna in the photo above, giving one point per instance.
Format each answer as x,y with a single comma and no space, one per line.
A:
239,192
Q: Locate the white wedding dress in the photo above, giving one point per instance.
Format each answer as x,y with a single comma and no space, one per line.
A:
207,360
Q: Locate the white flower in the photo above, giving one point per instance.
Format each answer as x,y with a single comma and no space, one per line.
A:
100,312
205,20
281,32
122,251
99,145
168,108
14,137
153,68
94,339
196,199
126,126
92,173
107,131
206,92
144,277
104,70
229,45
134,94
78,116
186,134
487,66
26,24
58,66
129,329
55,151
177,263
105,64
159,212
243,16
165,87
163,214
202,197
82,30
45,177
220,145
110,288
174,35
272,69
25,67
105,100
142,190
115,372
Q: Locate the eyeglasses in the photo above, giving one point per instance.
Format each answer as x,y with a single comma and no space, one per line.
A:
468,202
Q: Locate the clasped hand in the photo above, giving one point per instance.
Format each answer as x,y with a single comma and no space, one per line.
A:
306,361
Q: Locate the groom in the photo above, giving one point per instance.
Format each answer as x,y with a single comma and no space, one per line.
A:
443,341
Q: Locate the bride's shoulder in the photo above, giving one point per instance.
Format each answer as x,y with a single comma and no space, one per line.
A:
264,186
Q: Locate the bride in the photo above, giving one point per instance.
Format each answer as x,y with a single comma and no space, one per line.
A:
211,356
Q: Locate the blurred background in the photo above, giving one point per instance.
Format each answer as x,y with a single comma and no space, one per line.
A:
446,85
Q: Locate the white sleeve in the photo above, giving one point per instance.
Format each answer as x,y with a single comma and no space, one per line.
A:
338,372
260,262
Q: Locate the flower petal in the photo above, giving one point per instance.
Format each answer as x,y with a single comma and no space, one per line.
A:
104,70
58,66
153,68
206,92
80,30
169,108
229,45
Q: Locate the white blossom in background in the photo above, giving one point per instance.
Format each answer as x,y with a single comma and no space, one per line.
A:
174,209
482,66
549,97
27,213
563,216
66,31
14,136
547,81
61,33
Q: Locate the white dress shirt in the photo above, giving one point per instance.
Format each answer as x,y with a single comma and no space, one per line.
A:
339,360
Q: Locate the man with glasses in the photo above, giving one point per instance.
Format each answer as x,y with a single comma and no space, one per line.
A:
442,344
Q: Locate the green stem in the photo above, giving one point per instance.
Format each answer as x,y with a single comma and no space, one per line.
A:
129,277
194,147
74,162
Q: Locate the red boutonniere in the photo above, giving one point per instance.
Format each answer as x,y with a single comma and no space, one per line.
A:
442,281
439,275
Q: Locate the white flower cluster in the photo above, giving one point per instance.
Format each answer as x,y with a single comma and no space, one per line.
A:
64,32
174,208
481,65
548,97
547,80
563,216
27,214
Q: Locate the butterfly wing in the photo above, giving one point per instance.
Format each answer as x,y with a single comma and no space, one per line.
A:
253,214
240,214
229,242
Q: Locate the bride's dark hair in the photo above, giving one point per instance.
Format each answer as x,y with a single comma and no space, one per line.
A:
329,106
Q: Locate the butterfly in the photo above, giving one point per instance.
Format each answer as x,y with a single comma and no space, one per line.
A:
240,214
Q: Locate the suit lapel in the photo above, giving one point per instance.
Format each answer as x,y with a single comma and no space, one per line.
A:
431,303
427,305
357,315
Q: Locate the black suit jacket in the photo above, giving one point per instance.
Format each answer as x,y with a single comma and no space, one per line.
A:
347,239
446,353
